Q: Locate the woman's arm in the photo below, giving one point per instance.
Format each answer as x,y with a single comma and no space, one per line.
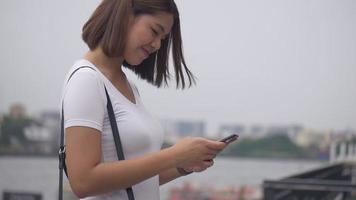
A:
173,173
88,176
168,175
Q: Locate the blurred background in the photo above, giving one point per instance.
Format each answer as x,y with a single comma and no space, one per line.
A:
281,74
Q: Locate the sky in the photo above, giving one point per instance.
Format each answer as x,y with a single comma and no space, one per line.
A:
275,62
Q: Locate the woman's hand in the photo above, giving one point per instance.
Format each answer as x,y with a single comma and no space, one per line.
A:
199,167
196,154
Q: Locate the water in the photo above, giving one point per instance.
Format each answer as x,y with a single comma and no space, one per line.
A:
36,175
40,175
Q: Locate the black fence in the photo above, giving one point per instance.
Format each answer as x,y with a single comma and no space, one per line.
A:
11,195
333,182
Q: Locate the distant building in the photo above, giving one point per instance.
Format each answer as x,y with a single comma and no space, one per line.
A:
39,140
313,138
228,129
343,147
259,131
345,134
189,128
12,127
50,118
291,130
17,111
22,134
176,129
51,121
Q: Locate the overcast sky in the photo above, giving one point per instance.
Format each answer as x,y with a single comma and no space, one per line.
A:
262,62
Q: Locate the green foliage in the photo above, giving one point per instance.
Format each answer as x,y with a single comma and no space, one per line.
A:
272,146
13,129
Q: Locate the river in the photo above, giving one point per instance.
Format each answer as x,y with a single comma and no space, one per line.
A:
40,175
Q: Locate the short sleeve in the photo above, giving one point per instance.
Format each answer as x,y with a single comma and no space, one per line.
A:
83,102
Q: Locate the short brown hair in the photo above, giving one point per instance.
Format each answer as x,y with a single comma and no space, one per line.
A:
107,28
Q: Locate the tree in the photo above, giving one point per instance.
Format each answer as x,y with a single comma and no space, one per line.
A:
12,130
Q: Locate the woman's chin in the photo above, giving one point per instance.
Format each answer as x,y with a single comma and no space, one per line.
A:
135,62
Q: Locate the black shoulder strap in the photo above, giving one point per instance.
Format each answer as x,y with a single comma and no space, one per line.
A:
117,140
115,131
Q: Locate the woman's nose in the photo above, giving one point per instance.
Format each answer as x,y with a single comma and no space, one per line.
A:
156,44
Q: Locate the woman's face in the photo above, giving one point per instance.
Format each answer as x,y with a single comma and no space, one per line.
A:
145,34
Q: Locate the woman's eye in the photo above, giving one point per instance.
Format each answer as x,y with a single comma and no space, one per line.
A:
154,31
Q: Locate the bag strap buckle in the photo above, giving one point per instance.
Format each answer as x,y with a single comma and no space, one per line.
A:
62,156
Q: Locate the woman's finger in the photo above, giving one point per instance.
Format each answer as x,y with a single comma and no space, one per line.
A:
209,157
209,163
215,145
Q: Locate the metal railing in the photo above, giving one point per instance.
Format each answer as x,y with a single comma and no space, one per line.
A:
332,182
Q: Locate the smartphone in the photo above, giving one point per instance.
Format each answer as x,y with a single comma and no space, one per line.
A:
230,138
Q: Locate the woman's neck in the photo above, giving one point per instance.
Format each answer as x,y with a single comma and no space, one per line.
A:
110,67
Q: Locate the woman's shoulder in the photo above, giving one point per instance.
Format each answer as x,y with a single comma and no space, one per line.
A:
84,68
83,76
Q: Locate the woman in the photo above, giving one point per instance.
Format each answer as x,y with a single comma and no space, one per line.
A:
136,34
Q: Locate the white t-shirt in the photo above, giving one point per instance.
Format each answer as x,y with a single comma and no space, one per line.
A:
85,105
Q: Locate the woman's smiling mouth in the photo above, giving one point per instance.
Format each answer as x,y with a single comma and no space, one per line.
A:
146,52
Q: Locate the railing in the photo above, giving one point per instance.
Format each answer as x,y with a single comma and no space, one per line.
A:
343,151
333,182
11,195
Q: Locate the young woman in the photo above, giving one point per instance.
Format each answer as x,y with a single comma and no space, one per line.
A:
136,34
